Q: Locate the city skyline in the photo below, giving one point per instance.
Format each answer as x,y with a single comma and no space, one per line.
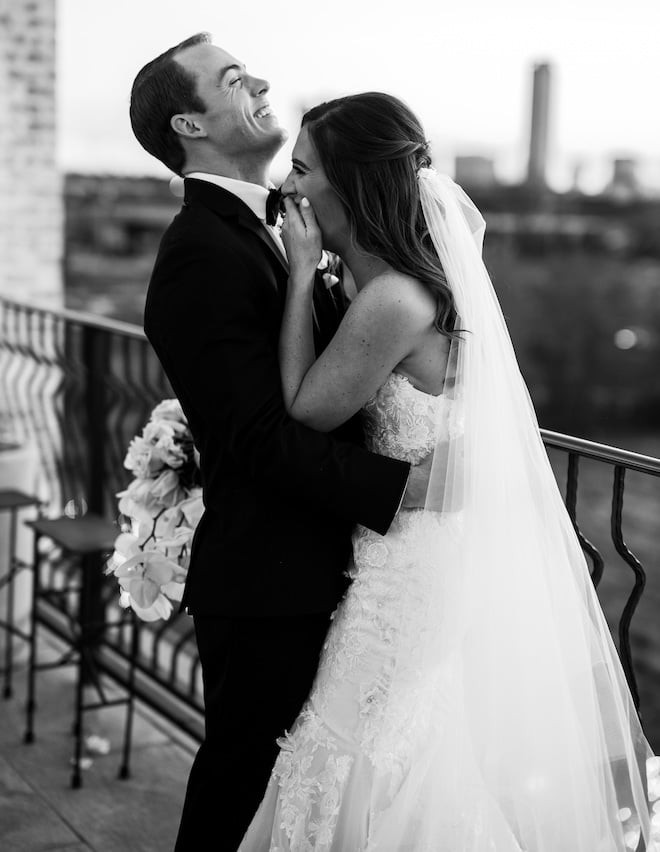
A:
466,71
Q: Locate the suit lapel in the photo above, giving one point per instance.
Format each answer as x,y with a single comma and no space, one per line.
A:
253,224
229,206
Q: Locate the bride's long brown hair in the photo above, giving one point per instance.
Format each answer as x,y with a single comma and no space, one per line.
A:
371,147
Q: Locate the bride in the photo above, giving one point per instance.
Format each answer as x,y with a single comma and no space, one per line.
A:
469,697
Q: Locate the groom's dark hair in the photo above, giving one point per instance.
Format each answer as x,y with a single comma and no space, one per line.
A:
162,89
371,147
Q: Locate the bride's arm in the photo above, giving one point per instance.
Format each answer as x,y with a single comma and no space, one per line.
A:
380,328
303,243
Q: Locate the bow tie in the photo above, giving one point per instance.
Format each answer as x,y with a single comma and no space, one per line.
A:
273,206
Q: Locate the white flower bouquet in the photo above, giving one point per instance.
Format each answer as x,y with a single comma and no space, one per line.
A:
161,508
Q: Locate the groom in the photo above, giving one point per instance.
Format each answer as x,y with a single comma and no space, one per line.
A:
280,500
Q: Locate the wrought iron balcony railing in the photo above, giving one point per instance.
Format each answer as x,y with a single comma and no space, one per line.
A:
79,388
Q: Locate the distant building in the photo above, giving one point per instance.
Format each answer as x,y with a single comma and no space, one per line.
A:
539,127
624,184
113,228
473,171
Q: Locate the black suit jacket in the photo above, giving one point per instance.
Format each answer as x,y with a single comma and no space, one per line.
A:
280,499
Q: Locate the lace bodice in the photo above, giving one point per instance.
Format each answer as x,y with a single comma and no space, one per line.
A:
403,422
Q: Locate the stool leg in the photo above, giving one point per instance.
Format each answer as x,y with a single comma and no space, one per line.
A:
32,661
9,639
124,771
83,618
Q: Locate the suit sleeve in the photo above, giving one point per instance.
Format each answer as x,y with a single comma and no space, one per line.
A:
219,338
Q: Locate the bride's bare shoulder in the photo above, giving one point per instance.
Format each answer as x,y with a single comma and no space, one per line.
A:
399,293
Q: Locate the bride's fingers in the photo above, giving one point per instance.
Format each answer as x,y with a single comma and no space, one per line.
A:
302,240
301,216
292,216
309,217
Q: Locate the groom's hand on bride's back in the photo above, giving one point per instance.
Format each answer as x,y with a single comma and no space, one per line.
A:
414,497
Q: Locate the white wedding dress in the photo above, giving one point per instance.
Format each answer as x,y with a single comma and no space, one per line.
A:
469,697
351,749
383,737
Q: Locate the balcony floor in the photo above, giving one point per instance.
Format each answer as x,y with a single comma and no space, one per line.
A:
38,809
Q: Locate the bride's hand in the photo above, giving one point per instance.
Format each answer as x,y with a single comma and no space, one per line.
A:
302,239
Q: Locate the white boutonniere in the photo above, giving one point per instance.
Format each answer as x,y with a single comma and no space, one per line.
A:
326,265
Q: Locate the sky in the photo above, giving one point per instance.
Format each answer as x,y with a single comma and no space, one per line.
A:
465,68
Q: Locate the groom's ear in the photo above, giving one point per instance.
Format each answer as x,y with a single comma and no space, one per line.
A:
185,125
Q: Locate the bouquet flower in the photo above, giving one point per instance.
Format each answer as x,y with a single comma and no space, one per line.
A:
161,508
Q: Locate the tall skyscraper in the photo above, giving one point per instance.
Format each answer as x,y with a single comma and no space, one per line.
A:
539,127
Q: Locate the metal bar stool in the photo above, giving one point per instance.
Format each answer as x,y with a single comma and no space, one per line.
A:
88,539
11,501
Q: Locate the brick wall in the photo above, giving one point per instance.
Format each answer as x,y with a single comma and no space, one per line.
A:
31,204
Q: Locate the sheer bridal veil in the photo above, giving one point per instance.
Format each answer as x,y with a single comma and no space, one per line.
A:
537,744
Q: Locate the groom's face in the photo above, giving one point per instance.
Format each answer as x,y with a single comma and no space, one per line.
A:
238,119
